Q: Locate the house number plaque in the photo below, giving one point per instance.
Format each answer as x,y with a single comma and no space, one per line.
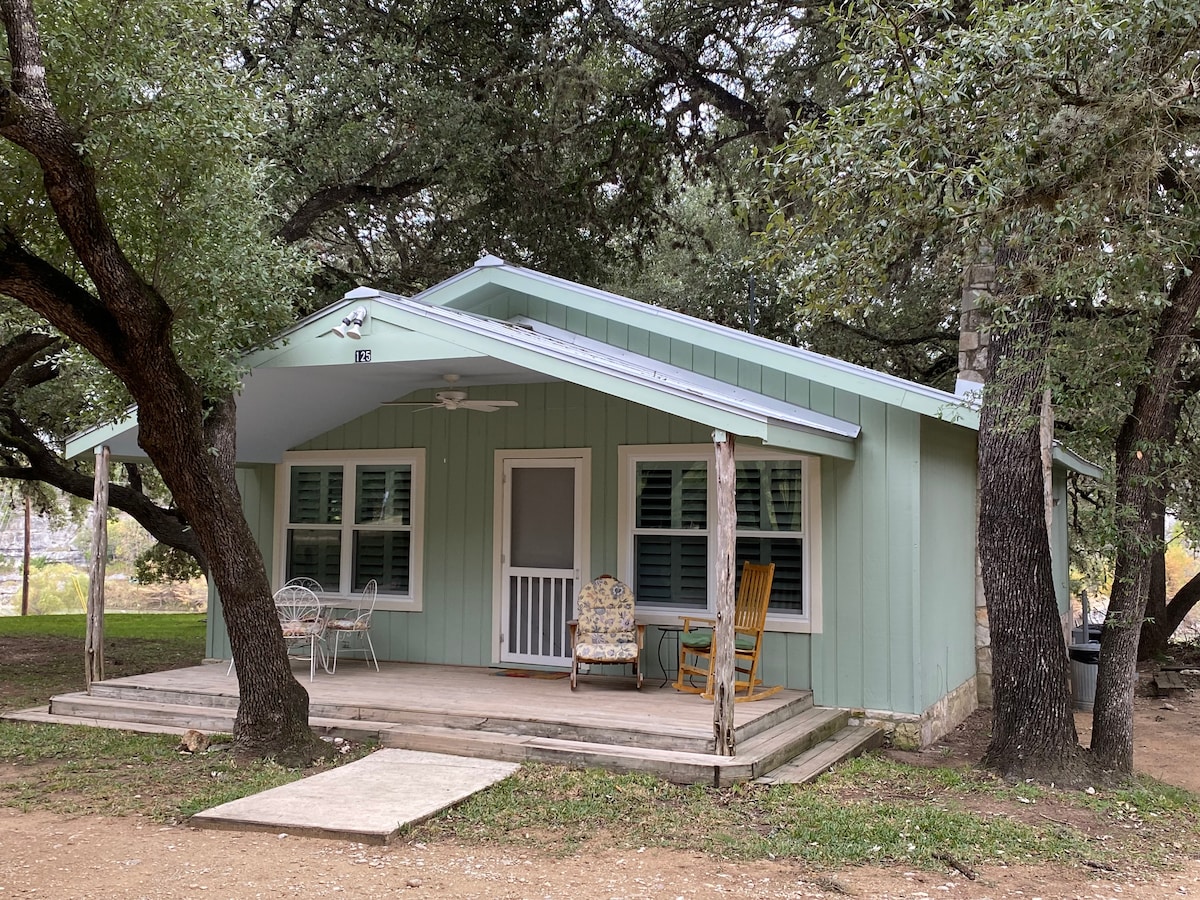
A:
362,356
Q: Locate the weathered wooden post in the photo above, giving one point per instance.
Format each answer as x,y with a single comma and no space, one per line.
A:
26,557
93,650
723,581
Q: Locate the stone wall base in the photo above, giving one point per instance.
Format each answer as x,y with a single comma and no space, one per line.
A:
915,732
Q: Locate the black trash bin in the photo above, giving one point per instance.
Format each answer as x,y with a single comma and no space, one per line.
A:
1085,661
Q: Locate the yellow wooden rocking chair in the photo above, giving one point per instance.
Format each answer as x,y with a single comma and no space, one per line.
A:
696,645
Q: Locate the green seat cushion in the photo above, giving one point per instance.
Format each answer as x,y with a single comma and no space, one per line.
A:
702,638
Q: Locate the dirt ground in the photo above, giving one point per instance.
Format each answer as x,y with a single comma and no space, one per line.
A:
44,855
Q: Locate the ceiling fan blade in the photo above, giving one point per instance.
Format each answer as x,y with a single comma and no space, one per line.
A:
415,405
485,405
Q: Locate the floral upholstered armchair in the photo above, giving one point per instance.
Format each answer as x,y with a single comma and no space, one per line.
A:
606,632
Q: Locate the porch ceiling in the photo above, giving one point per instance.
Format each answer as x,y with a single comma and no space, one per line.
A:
281,408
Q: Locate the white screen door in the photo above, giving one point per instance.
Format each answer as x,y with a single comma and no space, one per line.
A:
540,558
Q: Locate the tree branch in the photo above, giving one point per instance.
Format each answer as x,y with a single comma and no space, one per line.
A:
22,365
339,196
688,71
29,118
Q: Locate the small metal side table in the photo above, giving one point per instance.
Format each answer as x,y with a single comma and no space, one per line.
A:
668,638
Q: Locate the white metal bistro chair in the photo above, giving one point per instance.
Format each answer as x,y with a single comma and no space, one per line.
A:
355,627
300,581
302,622
305,582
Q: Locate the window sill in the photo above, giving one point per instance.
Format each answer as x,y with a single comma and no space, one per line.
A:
384,604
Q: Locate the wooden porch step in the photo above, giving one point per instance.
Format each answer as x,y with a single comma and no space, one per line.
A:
792,738
679,766
117,690
662,735
759,754
165,718
40,715
179,717
850,741
619,738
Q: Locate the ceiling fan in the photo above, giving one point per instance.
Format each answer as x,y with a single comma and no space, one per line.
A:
453,400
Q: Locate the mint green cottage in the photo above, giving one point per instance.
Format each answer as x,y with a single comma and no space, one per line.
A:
573,438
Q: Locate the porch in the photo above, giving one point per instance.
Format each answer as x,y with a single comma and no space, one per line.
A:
506,715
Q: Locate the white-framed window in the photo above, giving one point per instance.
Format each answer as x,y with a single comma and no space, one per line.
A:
348,518
667,511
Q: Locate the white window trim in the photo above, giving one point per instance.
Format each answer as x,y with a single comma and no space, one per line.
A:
348,459
628,456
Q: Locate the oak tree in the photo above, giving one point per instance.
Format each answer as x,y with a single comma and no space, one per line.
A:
132,205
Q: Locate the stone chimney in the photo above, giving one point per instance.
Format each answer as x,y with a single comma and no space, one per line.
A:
978,281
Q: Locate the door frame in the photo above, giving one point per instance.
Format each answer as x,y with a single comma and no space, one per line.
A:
581,458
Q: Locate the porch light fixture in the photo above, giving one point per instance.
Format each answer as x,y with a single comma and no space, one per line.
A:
351,326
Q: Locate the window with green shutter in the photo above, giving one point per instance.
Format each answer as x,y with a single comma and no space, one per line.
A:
382,526
671,533
770,526
673,530
379,542
315,502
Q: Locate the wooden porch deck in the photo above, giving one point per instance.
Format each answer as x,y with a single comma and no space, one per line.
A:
496,714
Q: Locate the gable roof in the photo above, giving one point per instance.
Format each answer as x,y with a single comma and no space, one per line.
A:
308,382
473,287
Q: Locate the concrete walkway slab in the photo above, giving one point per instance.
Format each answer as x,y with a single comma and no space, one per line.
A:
369,800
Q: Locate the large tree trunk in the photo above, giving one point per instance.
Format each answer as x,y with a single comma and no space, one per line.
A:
1033,731
1168,618
1155,633
1164,615
1139,452
126,325
272,718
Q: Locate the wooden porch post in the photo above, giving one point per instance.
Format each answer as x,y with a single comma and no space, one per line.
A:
723,582
93,649
26,557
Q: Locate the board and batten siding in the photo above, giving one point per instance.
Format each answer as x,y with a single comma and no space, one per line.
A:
867,652
948,473
455,625
866,657
1060,542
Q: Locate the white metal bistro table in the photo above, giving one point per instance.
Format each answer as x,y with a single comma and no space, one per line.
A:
668,635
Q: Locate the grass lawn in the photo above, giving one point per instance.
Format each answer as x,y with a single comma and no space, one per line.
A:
875,809
41,656
80,770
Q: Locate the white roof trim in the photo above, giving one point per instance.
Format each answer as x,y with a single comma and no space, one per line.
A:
1074,462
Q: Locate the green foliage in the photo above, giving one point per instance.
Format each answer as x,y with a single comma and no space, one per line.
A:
56,588
162,564
1060,131
411,141
1055,138
173,136
127,542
